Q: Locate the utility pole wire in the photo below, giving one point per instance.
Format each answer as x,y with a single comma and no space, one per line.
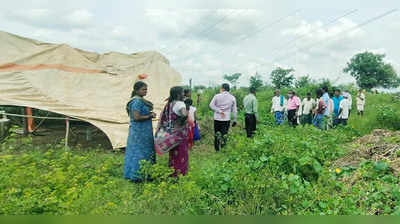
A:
346,31
199,24
288,44
300,37
263,28
205,31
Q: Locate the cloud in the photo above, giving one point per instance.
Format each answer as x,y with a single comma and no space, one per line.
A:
53,19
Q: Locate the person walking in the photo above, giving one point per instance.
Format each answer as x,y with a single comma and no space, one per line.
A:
293,108
140,145
251,110
319,112
306,111
223,105
344,109
337,98
278,107
175,113
360,102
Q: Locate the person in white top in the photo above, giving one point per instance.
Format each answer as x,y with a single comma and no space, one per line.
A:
278,107
349,98
361,102
223,105
344,110
306,110
191,120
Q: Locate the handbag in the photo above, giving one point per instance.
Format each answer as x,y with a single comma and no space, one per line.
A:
167,137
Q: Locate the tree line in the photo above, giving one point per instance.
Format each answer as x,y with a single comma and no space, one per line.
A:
369,70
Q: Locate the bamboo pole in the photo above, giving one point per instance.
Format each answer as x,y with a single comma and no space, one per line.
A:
66,133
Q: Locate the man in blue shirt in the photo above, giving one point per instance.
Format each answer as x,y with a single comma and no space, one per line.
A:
336,106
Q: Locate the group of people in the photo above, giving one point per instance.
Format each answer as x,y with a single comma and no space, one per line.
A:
323,112
178,115
179,119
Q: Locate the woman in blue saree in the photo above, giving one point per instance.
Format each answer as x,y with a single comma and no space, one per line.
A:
140,144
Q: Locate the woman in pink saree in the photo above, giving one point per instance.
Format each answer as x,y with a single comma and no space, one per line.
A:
175,113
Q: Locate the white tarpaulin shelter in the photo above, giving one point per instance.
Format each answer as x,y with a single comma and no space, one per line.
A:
84,85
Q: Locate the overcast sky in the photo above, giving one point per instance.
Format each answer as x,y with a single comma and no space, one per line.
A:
205,40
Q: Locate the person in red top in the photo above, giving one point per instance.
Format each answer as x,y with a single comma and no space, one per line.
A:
293,107
320,111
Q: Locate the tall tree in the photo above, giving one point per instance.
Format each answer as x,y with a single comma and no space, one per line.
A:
303,81
371,71
282,77
256,81
233,79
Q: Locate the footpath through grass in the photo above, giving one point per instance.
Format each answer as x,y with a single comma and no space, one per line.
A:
281,171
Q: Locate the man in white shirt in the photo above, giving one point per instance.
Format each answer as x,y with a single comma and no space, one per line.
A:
349,98
344,110
278,107
307,107
223,105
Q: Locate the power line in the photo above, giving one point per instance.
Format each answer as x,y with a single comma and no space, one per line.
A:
205,31
201,23
263,28
346,31
299,37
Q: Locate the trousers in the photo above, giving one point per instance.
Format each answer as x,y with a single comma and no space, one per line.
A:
221,129
251,124
292,118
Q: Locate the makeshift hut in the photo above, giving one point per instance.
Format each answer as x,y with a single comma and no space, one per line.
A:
79,84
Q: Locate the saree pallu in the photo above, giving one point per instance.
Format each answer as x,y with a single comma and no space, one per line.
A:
178,156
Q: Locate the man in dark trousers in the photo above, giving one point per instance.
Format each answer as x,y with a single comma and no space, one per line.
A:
250,108
223,105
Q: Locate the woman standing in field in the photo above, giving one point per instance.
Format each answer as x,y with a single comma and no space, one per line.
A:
175,114
140,144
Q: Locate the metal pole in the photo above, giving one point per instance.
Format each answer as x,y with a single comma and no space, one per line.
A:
66,133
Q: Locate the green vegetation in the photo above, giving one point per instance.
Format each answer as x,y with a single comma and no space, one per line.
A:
370,71
281,171
282,78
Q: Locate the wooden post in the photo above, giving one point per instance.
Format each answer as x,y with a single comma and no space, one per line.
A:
3,124
24,123
30,122
66,132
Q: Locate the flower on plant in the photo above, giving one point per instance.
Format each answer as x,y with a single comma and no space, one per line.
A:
338,170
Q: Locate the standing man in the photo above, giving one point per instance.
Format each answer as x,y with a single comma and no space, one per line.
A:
278,106
199,92
223,104
344,109
250,108
306,111
349,98
361,102
293,108
336,106
320,111
327,100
